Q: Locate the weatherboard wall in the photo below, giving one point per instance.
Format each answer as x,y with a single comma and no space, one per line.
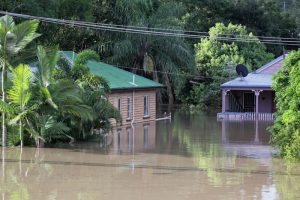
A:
138,105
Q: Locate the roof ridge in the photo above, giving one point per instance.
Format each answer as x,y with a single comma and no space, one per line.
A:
117,77
269,64
123,70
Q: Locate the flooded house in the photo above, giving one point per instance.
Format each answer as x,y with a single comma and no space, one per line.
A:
251,97
133,95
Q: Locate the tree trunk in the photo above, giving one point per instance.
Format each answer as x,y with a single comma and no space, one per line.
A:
155,78
21,135
3,99
169,90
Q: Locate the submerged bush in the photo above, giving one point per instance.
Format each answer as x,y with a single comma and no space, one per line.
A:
286,129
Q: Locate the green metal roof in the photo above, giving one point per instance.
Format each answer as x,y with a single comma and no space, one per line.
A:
116,77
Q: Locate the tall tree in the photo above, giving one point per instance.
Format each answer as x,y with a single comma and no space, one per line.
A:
203,14
215,61
163,58
20,95
13,39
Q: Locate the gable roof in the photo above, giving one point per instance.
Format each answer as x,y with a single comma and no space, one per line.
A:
259,79
118,79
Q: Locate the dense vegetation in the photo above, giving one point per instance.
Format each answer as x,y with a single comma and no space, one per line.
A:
216,61
173,61
58,101
168,55
286,130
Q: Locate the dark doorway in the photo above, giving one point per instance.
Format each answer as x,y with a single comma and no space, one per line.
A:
249,102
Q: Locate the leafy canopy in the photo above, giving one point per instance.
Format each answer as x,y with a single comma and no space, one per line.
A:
216,61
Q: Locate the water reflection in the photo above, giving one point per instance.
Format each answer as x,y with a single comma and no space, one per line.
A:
193,157
140,138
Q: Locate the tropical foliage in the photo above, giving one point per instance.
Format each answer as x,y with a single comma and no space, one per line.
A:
13,39
50,101
162,53
149,54
286,129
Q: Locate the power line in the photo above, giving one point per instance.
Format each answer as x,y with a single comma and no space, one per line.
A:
186,31
152,31
169,73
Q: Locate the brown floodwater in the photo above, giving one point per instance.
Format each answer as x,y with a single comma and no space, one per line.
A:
193,157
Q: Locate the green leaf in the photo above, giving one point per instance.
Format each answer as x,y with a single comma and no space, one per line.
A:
6,108
20,93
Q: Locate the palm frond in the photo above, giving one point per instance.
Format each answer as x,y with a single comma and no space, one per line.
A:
64,91
94,83
133,11
84,56
168,15
48,97
17,118
6,108
79,110
25,32
20,93
123,49
48,59
6,22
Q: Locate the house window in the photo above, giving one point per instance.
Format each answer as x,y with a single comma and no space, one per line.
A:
146,106
118,104
129,108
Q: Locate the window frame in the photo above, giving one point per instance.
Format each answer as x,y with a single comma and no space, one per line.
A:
129,108
118,104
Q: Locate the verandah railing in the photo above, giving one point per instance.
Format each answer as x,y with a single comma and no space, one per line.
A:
246,116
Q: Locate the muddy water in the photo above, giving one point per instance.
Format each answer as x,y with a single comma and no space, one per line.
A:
194,157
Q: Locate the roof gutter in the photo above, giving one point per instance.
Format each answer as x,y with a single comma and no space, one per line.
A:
247,87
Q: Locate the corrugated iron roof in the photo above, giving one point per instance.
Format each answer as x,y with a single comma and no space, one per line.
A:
255,80
263,81
116,77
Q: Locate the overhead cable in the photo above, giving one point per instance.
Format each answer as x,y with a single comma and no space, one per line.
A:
158,31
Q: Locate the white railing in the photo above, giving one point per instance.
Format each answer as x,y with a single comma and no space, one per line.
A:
250,116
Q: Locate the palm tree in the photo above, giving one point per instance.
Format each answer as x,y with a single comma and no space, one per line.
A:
13,39
20,95
169,55
94,90
61,98
63,95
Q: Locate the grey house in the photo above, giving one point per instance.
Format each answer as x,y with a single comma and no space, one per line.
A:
251,97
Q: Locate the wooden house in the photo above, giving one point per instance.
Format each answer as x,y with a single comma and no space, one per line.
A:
134,96
251,97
